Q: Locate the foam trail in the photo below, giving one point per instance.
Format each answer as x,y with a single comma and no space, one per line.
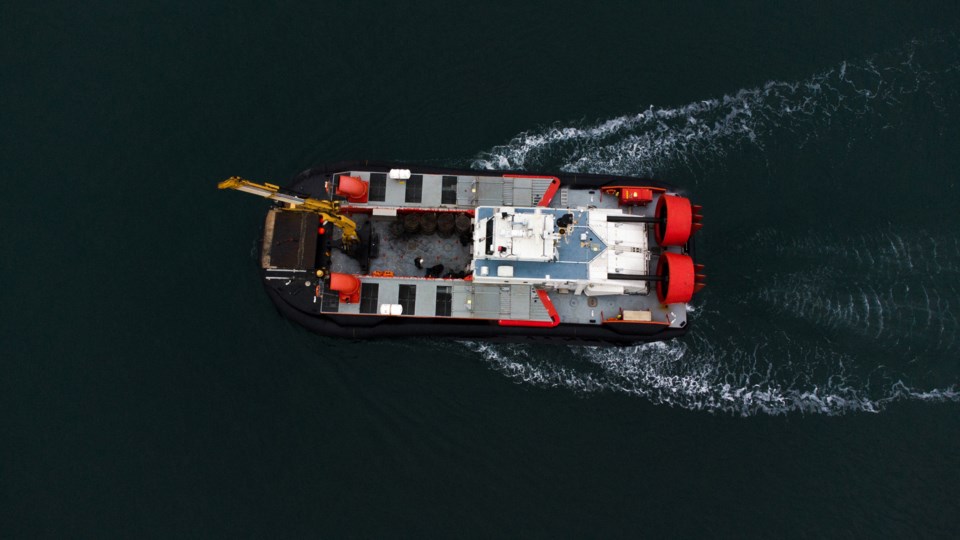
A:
706,378
895,304
898,282
661,138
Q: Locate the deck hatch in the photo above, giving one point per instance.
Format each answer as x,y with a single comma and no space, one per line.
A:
407,297
294,241
444,301
414,192
368,297
378,187
448,194
329,300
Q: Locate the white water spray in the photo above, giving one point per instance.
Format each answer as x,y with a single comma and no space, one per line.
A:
715,371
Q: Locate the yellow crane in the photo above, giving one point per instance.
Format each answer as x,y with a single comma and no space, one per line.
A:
328,210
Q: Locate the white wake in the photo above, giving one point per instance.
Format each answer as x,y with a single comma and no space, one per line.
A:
661,138
715,368
701,376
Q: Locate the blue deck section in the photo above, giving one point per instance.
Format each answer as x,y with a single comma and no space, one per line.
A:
569,248
573,255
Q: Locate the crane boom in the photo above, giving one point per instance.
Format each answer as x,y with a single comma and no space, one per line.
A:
328,210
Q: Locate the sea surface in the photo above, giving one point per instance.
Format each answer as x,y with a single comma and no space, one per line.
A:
148,388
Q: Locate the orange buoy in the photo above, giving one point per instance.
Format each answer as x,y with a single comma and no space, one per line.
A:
675,215
353,188
347,285
678,283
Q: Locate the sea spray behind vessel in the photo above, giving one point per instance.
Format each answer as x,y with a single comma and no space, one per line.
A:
839,301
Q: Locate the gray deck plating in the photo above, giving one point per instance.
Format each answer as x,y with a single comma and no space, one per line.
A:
398,251
471,191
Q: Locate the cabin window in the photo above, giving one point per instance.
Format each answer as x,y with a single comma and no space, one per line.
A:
378,187
444,301
408,298
414,192
368,297
489,237
448,195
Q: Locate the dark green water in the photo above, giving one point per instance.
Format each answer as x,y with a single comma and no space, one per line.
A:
149,389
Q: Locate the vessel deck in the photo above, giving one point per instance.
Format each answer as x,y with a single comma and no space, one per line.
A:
398,251
576,255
